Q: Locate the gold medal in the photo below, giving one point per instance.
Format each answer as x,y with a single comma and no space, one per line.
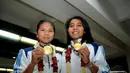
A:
77,46
47,50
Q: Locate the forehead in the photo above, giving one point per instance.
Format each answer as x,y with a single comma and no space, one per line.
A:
46,24
75,20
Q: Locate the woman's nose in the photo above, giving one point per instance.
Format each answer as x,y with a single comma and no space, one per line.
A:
75,27
46,32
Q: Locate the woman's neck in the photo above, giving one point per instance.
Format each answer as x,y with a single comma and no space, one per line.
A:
42,44
75,41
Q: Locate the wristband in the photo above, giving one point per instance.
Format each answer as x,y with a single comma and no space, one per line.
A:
90,64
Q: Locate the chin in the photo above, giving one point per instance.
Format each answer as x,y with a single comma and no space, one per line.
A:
76,37
45,42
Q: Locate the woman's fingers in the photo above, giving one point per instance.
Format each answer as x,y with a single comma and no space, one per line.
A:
85,57
83,51
39,50
84,54
37,55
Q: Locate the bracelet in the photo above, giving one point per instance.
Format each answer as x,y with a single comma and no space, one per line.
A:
90,64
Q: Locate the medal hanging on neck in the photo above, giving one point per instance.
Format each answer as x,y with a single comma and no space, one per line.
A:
68,52
48,50
77,47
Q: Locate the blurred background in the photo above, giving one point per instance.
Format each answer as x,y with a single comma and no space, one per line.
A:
109,21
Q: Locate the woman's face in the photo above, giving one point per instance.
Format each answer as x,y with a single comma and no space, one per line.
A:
45,33
76,29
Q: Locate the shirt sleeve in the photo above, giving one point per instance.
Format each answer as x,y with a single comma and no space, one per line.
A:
21,62
100,61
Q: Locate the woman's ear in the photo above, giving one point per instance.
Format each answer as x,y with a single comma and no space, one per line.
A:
36,35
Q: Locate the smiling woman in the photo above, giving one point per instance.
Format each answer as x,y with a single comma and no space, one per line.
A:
36,59
83,54
10,48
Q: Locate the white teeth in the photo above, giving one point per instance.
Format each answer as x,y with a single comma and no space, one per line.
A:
75,32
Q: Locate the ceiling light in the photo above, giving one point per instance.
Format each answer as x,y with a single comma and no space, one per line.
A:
9,35
13,36
2,69
6,69
9,70
14,57
28,40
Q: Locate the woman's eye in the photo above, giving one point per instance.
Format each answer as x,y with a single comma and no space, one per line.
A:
42,30
51,31
79,25
71,25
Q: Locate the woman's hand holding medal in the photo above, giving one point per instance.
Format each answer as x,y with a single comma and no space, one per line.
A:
83,50
37,55
38,52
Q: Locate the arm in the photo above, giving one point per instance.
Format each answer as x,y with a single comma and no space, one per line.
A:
37,55
29,68
21,62
98,64
93,68
85,53
100,61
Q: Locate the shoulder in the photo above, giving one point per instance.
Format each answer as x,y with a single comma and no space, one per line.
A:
23,52
96,46
26,50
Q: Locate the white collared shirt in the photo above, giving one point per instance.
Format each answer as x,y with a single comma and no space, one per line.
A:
98,59
24,60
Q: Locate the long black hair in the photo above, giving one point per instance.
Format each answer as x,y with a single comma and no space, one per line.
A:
87,37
